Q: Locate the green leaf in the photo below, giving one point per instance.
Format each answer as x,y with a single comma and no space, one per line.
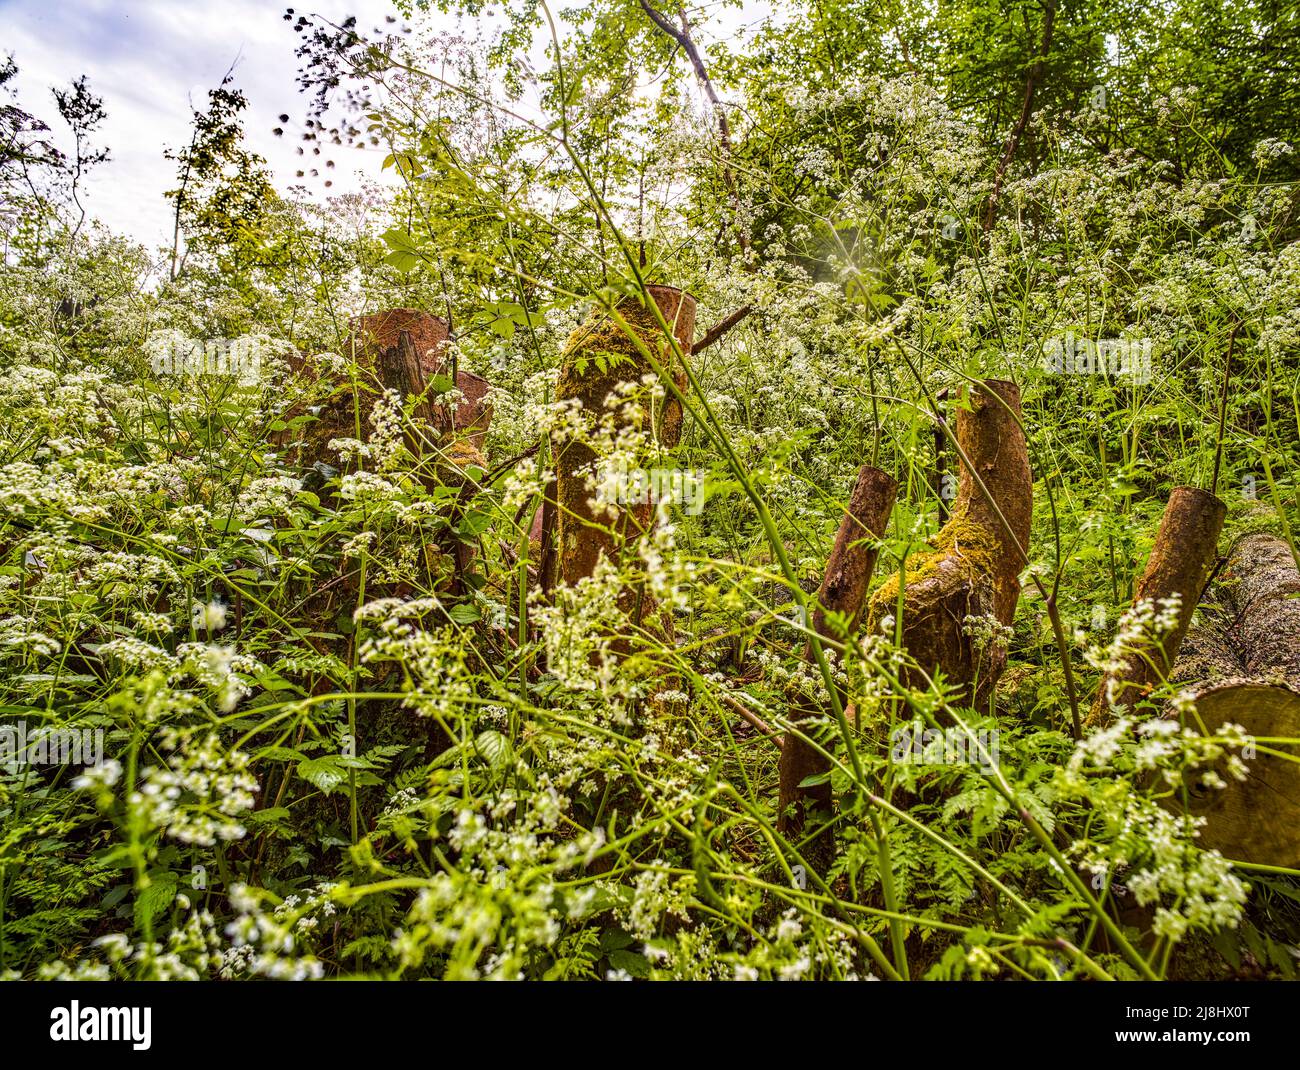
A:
156,898
493,747
631,962
325,773
465,613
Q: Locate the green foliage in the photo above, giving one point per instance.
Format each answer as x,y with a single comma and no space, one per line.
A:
340,740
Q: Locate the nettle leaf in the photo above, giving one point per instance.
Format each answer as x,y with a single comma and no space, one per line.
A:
272,815
327,773
494,748
281,754
635,964
474,524
465,613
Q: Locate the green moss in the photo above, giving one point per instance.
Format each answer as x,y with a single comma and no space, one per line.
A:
962,540
602,347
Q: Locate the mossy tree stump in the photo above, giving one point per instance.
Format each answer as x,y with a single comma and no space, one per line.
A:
600,357
974,568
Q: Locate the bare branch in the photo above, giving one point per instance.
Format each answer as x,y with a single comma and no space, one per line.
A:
1026,109
683,38
715,333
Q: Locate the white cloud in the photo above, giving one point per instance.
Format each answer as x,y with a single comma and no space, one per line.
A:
147,59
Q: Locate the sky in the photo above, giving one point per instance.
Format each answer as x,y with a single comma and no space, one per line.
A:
151,59
148,59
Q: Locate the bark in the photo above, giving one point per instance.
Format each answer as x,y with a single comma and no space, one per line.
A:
1181,562
974,569
843,590
1241,664
376,343
598,358
1256,820
470,417
1209,652
378,331
372,336
400,369
720,329
1261,583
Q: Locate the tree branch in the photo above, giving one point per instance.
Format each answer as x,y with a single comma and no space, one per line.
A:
1026,109
683,38
715,333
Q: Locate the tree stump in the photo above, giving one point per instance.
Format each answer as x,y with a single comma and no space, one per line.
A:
598,358
1181,561
1256,820
377,331
844,591
974,569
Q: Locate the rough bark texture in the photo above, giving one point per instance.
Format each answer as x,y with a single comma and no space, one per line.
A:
471,416
376,339
1241,663
975,567
1261,582
843,590
378,331
1208,652
400,369
1258,819
372,337
600,356
1181,562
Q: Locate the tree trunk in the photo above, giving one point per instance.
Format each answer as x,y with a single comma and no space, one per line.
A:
843,591
974,570
1241,664
598,358
1262,583
1256,820
1181,562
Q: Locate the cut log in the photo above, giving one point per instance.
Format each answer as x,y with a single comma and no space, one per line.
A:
1181,562
974,569
1208,653
1241,665
1256,820
598,358
1262,583
843,591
